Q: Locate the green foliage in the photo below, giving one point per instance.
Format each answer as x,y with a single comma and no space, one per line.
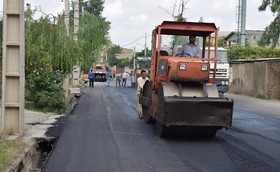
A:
93,37
260,96
181,8
180,18
239,52
125,62
142,53
272,31
46,91
112,51
221,42
94,7
10,150
47,43
178,41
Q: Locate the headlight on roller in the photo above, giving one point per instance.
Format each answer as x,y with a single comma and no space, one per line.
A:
183,67
204,68
223,82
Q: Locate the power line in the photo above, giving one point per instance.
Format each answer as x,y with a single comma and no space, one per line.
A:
135,40
132,41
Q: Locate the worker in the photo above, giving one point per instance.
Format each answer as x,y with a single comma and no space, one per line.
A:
91,78
125,75
140,84
190,49
108,76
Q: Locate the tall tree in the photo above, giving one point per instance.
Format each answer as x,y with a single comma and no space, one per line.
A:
112,52
94,7
180,7
93,34
93,37
142,53
47,43
272,31
180,10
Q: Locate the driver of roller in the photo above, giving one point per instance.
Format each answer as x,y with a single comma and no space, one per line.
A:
190,49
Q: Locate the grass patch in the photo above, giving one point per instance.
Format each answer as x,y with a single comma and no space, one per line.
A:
10,150
30,106
260,96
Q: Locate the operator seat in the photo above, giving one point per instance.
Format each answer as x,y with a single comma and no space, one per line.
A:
163,53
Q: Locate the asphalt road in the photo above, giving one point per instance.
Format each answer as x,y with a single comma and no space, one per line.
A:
104,134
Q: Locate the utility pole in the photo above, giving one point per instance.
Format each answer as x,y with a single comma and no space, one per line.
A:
76,19
133,79
76,68
145,46
13,78
67,24
66,13
243,23
238,14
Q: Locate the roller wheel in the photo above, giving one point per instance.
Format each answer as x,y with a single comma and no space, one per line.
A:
210,133
162,131
147,92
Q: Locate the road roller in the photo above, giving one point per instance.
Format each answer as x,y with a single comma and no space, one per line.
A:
181,92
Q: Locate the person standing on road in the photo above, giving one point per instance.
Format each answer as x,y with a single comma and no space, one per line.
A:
125,75
118,79
140,84
91,78
108,75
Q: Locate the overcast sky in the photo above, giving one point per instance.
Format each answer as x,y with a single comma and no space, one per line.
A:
131,19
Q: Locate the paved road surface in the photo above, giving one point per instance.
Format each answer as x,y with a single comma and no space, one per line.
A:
104,134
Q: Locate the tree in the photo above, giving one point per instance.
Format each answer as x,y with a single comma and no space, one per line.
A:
142,53
94,7
221,42
181,8
47,43
112,52
92,38
179,17
50,53
124,62
272,31
93,31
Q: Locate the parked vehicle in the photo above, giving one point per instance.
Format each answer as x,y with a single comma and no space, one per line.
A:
222,69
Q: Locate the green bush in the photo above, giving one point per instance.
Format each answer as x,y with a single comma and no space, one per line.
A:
45,89
238,52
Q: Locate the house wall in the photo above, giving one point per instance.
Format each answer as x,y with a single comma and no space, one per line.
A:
256,78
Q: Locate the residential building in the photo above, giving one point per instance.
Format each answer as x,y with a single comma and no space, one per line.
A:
252,37
125,53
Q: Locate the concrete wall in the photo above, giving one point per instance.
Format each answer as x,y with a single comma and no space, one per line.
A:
257,78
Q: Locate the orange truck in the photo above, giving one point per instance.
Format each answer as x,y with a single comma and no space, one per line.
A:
181,92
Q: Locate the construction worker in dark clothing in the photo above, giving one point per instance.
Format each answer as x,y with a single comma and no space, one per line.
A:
91,78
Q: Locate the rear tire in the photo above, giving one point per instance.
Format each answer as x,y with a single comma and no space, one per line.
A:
162,131
210,133
147,92
206,132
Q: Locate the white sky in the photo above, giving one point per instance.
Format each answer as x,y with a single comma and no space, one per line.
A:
131,19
